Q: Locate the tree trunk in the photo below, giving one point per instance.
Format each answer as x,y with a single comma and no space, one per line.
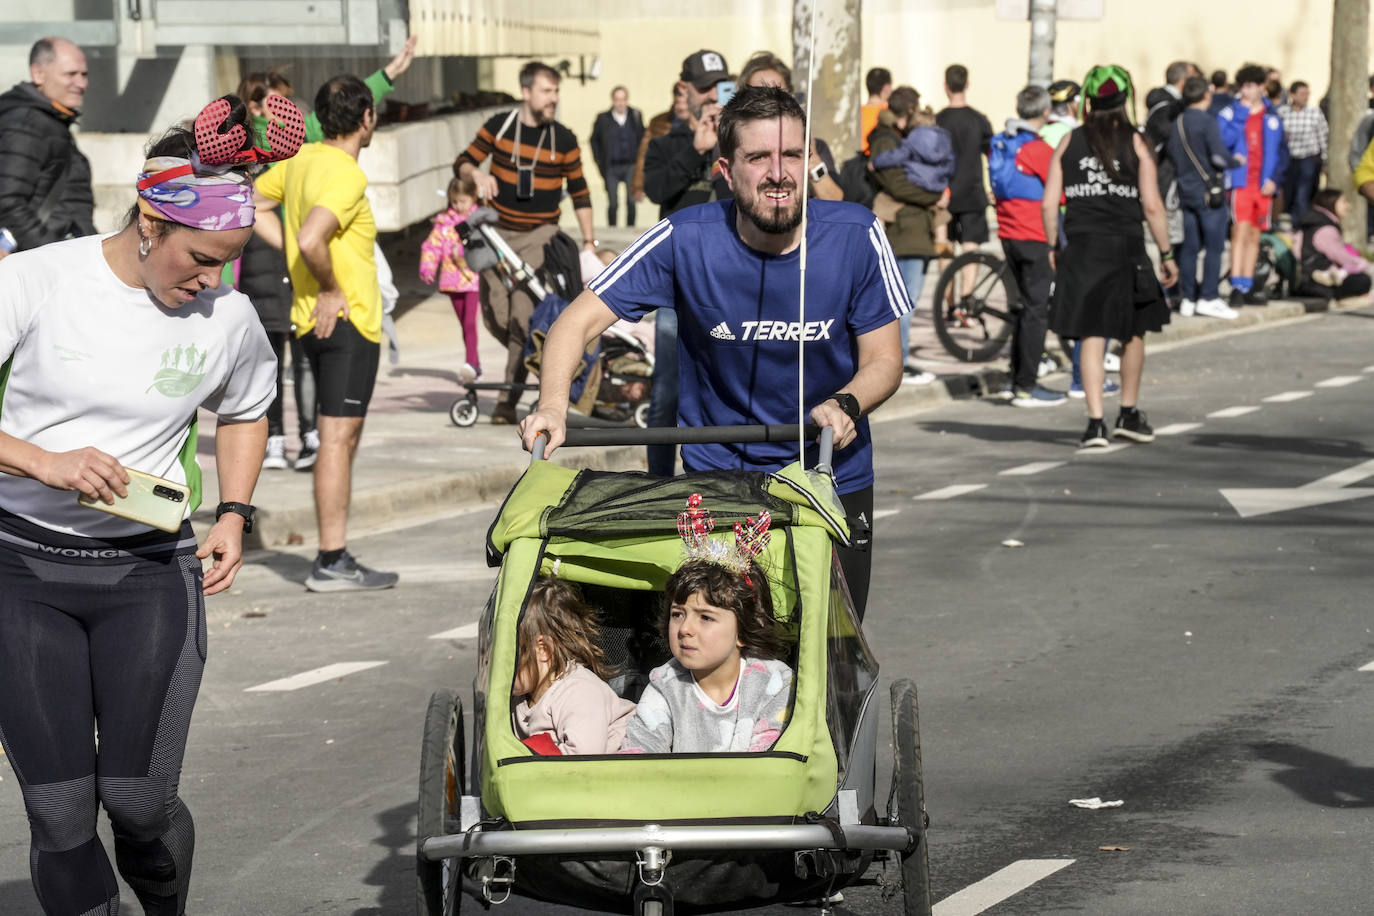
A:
1348,103
838,92
1043,14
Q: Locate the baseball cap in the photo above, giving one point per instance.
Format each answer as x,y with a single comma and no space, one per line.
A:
1064,91
704,69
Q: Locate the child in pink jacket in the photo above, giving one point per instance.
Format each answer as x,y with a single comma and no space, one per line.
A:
442,254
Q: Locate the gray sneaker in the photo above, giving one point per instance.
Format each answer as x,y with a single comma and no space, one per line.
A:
347,574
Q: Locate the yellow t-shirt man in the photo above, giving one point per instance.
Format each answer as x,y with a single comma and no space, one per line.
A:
321,175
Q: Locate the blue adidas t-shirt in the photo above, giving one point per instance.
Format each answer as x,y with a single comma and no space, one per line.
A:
738,328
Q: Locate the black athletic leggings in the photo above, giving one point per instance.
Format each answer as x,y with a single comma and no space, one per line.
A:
857,561
102,636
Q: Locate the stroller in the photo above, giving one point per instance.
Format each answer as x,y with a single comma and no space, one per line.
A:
612,383
644,834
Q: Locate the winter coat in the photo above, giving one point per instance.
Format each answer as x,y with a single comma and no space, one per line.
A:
442,251
615,144
912,233
926,156
677,176
36,149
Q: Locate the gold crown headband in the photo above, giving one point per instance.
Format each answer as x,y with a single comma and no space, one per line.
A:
695,524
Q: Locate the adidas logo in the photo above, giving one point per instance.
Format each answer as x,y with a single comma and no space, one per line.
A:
722,332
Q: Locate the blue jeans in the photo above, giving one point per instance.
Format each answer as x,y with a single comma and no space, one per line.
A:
914,276
1303,177
663,398
1204,228
617,175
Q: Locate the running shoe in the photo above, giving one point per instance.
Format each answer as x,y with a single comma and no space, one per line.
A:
1109,388
468,373
911,375
1047,366
1133,425
347,574
1215,308
1111,362
1255,297
1095,436
1186,307
1039,396
275,459
310,447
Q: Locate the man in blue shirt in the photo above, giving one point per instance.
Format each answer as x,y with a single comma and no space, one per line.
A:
731,271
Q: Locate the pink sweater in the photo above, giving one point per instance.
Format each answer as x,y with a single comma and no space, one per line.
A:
580,711
441,251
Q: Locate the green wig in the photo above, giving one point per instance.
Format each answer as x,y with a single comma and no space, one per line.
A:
1108,87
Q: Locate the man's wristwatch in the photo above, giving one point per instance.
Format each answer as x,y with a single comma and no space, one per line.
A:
820,172
848,403
248,512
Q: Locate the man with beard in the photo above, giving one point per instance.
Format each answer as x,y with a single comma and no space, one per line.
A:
532,155
730,271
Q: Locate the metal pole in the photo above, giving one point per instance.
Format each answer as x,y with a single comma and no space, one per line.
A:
1042,21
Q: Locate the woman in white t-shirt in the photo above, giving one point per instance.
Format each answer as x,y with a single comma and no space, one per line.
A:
109,347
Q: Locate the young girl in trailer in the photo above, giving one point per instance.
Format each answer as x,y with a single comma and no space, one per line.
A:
442,255
725,688
566,706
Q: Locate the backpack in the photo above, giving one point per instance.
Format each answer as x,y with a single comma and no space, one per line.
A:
1008,182
562,270
858,183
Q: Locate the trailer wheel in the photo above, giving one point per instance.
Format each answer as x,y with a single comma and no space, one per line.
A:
909,791
463,412
642,415
439,884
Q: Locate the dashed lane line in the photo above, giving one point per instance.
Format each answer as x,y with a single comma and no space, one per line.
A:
1339,381
884,513
466,631
1368,667
1368,369
315,676
958,489
1287,396
1035,467
998,886
1114,447
1227,413
1177,429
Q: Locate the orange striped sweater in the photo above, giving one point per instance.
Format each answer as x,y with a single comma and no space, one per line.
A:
552,151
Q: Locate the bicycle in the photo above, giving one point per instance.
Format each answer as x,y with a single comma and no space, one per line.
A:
974,324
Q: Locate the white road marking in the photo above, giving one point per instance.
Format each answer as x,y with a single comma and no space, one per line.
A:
998,886
958,489
1227,413
884,513
1333,488
1115,447
1368,667
1339,381
1035,467
1177,429
1287,396
1369,369
466,631
317,676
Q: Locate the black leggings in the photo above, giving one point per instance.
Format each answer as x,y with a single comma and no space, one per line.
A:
857,561
107,636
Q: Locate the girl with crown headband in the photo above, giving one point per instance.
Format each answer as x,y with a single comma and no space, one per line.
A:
111,345
725,688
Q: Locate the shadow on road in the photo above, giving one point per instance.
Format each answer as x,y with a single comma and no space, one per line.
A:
1320,778
1295,445
17,899
395,874
989,432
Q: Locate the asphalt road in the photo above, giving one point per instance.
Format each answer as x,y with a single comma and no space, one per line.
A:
1146,644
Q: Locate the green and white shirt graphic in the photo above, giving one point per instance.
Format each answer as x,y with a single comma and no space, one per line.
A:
91,362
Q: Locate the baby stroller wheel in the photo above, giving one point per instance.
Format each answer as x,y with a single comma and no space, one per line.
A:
463,412
642,415
908,791
439,885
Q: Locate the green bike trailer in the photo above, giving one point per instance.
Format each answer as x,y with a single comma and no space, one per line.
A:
660,833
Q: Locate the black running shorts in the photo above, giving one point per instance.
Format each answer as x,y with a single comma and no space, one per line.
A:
345,368
969,228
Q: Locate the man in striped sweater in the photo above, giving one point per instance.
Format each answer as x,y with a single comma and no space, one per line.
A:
532,155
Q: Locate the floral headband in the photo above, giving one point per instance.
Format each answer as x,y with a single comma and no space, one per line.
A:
695,524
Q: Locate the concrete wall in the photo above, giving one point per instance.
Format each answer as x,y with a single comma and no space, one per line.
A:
408,168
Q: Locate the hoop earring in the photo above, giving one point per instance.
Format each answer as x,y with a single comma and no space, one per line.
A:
145,245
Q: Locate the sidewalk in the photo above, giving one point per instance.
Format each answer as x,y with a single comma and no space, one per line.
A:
414,463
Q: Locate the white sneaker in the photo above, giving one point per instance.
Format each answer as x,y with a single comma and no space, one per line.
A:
917,377
1187,307
1215,308
310,445
1047,367
275,459
1111,362
466,373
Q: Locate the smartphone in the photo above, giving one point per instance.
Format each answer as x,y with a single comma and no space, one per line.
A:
152,501
725,91
524,184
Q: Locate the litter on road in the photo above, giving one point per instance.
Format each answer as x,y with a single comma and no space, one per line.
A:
1094,803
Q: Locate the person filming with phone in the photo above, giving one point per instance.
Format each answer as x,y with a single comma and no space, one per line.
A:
111,346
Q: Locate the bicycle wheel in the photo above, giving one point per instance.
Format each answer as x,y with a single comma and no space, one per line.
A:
974,306
907,807
439,885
